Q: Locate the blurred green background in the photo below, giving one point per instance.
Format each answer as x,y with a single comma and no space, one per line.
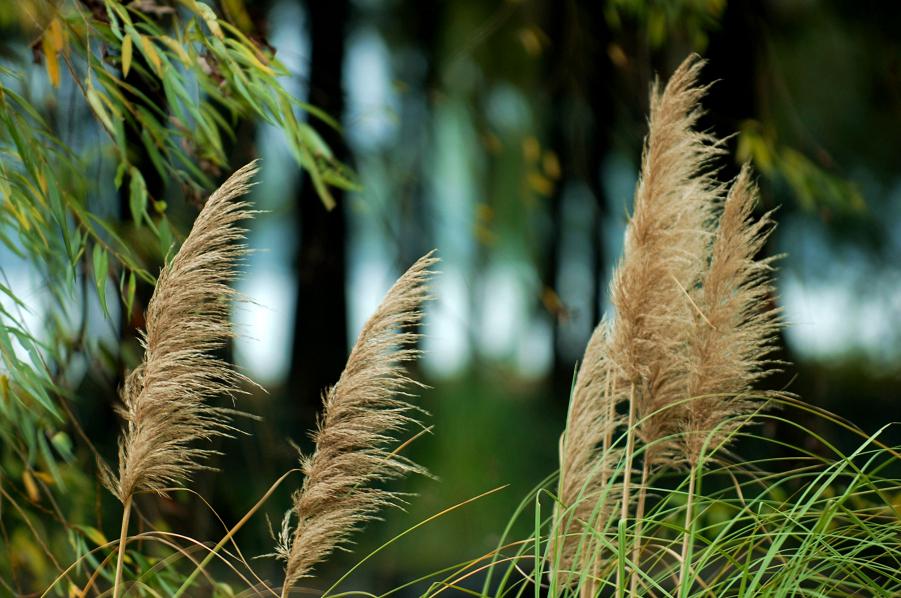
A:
507,134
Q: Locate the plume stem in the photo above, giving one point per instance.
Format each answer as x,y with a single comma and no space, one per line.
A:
607,442
627,475
683,583
639,516
123,536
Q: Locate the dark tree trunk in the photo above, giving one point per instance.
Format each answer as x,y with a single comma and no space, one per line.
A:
732,66
422,27
579,75
598,84
319,347
734,62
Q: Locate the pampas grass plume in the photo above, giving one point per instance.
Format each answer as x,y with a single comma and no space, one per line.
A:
360,419
587,458
165,400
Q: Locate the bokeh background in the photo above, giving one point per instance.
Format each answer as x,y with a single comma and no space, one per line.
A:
507,135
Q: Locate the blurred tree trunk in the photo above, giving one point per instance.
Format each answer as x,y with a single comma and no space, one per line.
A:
598,84
579,74
421,27
319,346
734,63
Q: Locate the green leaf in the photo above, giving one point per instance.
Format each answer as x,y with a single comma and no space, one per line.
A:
101,269
223,590
129,295
137,195
166,237
62,443
120,174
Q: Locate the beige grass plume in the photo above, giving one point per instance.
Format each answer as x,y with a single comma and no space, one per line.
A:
664,256
665,248
734,328
587,460
694,325
361,416
664,260
165,399
729,340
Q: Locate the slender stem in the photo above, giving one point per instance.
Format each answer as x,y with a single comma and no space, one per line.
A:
627,476
686,535
93,579
123,535
639,517
209,557
587,590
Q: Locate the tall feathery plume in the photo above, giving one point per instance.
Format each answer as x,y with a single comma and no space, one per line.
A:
361,415
694,328
665,247
587,461
165,399
735,326
731,338
663,259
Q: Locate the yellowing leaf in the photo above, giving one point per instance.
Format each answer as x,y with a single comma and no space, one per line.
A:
31,487
51,58
253,58
551,164
44,477
531,41
540,184
152,55
93,534
553,304
492,143
484,212
20,216
177,48
209,17
55,32
126,55
129,293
